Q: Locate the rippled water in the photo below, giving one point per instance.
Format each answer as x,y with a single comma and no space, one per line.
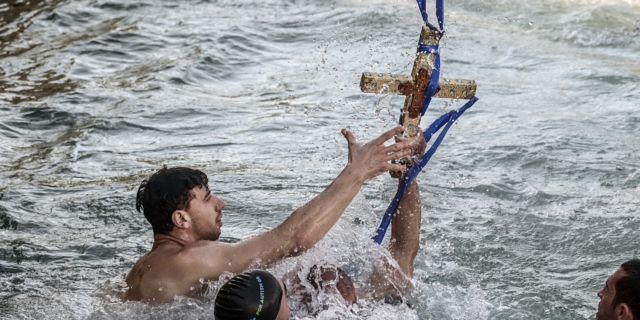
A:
528,205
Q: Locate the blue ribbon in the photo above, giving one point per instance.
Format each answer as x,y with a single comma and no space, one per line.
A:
446,120
433,49
433,84
430,49
439,14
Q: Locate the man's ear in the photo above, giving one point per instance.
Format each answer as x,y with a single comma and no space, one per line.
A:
181,219
623,312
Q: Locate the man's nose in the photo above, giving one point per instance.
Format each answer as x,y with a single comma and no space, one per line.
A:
220,205
600,294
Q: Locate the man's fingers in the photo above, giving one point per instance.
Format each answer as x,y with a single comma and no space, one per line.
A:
388,135
396,167
397,147
400,137
348,135
397,155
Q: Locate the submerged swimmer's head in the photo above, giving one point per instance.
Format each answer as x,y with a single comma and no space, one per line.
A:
179,200
323,287
333,280
253,294
257,294
620,297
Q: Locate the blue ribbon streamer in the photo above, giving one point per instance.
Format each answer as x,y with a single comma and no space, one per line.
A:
439,14
433,49
433,85
429,49
445,120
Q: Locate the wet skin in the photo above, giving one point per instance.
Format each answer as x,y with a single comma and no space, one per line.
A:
189,253
284,312
152,279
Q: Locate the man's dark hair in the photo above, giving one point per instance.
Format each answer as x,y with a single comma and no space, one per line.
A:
628,287
166,191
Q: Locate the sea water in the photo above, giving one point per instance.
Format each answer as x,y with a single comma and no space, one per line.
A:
528,205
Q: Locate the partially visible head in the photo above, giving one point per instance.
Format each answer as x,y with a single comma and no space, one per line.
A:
253,294
330,287
180,198
332,279
620,297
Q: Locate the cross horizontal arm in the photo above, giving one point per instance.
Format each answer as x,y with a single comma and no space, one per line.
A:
387,83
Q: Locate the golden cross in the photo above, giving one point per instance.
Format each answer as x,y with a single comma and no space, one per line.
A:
415,87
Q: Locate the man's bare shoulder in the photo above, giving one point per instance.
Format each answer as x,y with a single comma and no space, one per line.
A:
210,253
171,269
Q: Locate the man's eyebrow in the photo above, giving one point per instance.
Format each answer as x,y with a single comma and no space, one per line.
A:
208,195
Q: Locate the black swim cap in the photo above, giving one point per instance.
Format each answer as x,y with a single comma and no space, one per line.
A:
251,295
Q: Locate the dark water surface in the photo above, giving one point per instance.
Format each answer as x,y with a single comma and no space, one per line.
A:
529,204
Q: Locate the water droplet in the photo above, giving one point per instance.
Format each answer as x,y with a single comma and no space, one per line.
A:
160,289
191,288
201,280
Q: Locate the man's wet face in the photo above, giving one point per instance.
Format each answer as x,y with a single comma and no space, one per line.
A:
206,214
606,309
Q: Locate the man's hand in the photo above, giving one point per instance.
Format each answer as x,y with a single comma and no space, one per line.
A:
418,146
372,158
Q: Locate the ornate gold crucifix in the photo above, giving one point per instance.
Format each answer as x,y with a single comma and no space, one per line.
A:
414,88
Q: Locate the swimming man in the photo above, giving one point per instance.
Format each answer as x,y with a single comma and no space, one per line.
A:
620,297
186,219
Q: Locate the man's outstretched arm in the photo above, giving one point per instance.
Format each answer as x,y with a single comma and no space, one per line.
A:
405,229
406,222
310,223
405,239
